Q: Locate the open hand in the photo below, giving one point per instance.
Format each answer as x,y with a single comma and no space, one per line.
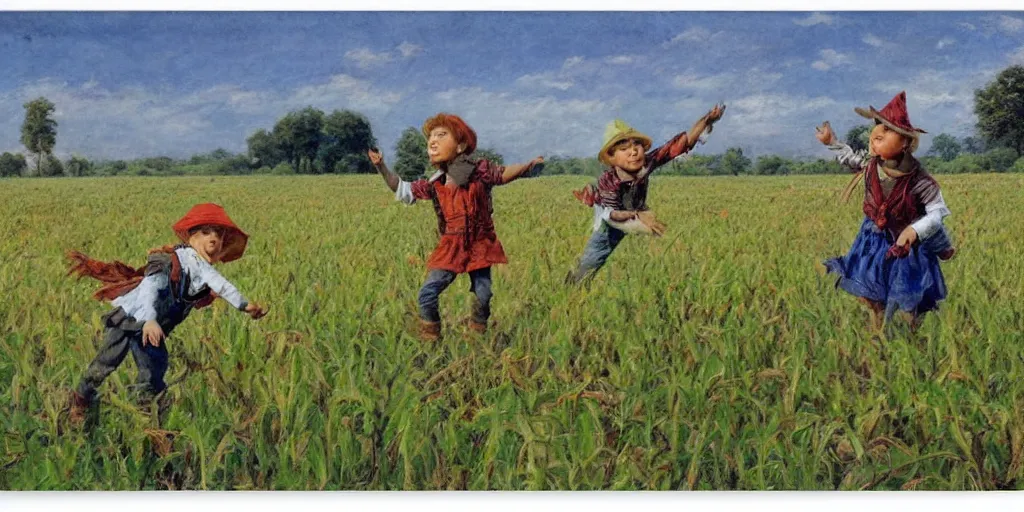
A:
647,217
152,334
824,133
716,113
907,237
255,311
376,158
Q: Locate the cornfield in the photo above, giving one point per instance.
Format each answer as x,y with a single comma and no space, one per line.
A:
716,357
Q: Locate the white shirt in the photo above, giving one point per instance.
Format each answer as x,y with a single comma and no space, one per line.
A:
141,302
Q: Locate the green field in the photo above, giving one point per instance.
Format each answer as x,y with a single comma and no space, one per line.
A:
717,357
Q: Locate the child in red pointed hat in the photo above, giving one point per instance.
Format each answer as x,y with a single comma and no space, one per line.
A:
150,301
460,191
894,261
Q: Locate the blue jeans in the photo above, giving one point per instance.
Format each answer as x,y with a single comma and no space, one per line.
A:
439,280
601,245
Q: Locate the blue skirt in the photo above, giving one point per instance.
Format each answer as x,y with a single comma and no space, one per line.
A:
913,283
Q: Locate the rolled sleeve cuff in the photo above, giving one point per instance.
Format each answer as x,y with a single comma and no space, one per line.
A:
403,193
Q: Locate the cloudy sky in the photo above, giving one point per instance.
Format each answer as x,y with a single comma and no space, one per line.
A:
146,84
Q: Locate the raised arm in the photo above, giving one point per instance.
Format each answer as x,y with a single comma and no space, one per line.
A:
377,159
844,154
685,141
405,191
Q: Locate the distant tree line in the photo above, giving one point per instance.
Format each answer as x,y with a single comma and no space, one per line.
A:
308,141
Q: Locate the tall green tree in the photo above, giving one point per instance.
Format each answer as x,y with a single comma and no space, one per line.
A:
78,166
857,137
264,149
490,155
999,107
39,130
945,146
12,164
733,162
346,137
411,160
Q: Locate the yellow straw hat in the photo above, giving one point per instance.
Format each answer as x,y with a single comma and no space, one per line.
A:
618,131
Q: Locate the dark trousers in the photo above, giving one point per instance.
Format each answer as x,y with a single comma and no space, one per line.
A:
124,334
439,280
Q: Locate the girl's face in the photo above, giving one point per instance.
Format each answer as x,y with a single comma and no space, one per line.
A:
887,143
442,146
628,155
207,241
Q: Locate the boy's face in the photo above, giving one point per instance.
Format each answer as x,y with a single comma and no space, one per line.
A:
628,155
442,146
886,143
207,241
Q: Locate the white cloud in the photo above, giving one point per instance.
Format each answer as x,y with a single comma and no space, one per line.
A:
131,121
522,127
691,35
938,101
572,62
1010,23
408,49
753,78
966,26
366,58
944,43
621,59
829,59
815,19
1017,57
703,83
763,121
873,40
341,91
545,80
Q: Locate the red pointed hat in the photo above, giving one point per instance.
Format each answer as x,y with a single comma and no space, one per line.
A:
209,214
894,115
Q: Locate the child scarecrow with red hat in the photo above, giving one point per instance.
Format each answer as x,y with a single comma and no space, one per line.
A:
619,199
150,301
461,193
894,261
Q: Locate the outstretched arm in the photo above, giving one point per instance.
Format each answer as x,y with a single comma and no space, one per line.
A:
404,191
844,154
514,171
685,141
377,159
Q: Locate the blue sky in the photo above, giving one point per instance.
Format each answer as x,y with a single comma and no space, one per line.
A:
545,83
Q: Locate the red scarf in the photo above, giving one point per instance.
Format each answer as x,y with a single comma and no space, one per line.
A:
120,278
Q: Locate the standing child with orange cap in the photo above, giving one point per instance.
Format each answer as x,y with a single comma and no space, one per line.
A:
149,302
894,261
461,193
619,199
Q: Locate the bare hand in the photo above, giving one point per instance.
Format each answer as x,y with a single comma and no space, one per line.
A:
649,220
376,158
716,113
824,134
152,334
587,195
907,237
256,311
